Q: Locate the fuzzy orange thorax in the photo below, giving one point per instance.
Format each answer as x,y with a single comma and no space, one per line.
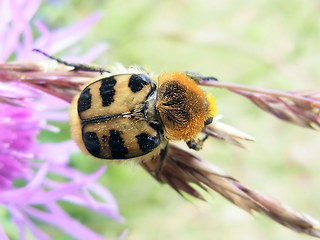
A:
183,106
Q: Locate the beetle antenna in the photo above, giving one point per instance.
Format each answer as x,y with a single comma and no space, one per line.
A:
76,66
197,77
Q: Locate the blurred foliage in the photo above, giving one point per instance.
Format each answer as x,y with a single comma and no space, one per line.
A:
265,43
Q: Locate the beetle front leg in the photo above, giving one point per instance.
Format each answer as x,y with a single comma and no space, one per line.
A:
197,143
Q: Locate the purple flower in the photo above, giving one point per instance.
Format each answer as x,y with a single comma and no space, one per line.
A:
19,128
24,112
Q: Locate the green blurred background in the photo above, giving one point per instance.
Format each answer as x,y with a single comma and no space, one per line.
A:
266,43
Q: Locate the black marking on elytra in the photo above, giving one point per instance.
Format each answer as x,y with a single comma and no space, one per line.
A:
107,90
137,81
116,145
84,101
208,121
91,141
156,126
147,142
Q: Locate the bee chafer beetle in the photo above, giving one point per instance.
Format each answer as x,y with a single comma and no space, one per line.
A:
134,115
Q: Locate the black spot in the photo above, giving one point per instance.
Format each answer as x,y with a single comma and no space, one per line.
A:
107,90
92,143
156,126
208,121
137,81
147,142
84,101
116,145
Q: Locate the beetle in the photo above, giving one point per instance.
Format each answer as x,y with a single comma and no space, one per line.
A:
132,114
129,116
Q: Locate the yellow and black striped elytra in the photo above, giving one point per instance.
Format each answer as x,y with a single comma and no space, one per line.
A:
113,113
134,115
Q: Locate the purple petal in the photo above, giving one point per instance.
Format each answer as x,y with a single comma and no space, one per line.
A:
51,108
33,194
102,192
48,151
20,126
74,33
30,8
22,12
37,232
123,235
75,174
55,208
52,102
84,198
26,46
3,235
44,33
42,197
17,90
19,24
106,209
20,195
66,224
19,219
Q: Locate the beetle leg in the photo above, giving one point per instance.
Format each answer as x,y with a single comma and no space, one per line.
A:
76,66
197,143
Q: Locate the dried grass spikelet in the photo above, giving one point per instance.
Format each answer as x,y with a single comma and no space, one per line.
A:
47,76
298,107
304,112
227,133
181,170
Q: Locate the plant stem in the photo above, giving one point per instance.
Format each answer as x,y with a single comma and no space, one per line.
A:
238,87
